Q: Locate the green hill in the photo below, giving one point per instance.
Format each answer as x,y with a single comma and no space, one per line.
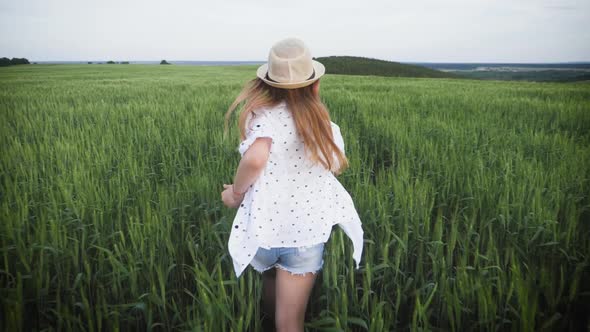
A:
352,65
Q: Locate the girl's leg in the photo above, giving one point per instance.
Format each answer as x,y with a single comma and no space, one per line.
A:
292,295
268,292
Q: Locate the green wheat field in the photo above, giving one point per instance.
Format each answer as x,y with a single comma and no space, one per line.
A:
474,197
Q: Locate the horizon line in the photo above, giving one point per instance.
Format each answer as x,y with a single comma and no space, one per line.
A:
264,61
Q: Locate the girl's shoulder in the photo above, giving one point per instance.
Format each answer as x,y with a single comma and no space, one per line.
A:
335,128
270,110
277,109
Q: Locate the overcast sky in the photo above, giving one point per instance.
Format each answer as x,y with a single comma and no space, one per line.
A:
407,31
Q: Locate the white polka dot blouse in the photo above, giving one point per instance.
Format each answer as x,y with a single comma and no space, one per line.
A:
293,202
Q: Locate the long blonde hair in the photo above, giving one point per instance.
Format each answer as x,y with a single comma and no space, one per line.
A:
309,113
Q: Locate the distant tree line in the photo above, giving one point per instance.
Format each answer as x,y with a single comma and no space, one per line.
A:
111,62
547,75
14,61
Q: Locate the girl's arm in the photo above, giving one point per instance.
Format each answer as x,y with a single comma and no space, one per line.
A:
252,164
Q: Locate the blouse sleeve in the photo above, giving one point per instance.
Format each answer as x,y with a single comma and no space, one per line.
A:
257,125
339,141
338,136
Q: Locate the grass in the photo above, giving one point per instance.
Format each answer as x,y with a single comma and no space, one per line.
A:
474,197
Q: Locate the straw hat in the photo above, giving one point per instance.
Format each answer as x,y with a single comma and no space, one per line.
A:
290,65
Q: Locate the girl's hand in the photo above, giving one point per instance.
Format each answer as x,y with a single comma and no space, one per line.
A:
230,199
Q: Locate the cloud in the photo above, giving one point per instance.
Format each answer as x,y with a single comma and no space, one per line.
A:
553,7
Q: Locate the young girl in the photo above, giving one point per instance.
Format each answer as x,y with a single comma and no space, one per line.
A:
285,188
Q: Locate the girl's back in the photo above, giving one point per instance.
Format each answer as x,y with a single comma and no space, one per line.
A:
294,202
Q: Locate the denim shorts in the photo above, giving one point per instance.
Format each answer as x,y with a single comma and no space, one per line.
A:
297,260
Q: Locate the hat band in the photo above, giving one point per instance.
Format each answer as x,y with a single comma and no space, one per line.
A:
270,79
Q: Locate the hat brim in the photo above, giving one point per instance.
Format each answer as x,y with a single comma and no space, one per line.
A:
319,68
